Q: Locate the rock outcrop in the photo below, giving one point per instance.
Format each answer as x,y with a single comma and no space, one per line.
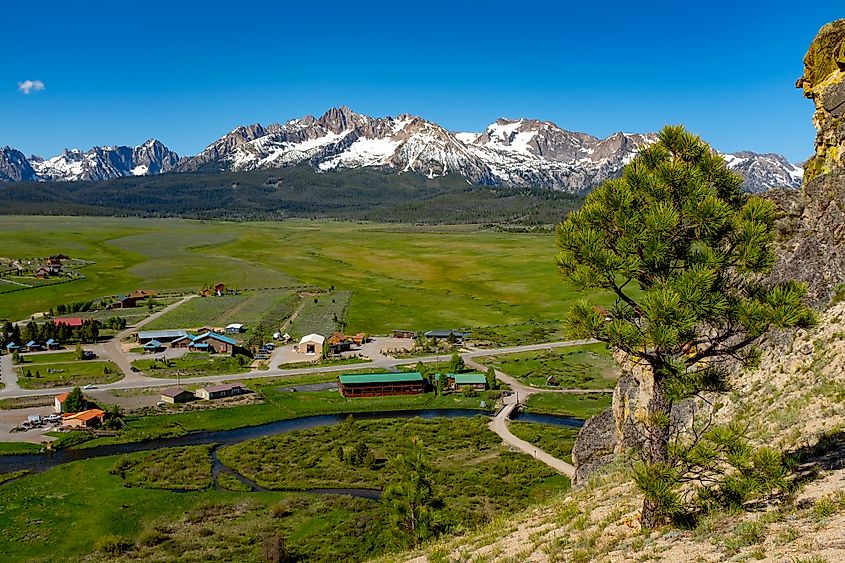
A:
811,248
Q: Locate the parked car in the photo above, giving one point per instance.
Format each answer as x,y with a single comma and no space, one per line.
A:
90,386
161,404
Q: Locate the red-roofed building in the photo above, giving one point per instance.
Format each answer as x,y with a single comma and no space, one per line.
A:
69,321
91,418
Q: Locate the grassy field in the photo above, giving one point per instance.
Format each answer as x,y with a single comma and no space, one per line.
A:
245,308
126,508
192,364
51,358
321,314
581,406
399,276
577,367
555,440
65,374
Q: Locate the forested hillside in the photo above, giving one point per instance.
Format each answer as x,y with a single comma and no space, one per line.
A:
362,194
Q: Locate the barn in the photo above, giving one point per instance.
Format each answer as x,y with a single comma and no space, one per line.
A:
381,384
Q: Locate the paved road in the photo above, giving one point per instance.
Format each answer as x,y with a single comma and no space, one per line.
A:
499,425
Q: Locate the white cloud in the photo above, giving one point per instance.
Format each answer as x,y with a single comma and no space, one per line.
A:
28,86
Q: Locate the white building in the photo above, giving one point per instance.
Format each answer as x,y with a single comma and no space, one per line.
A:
312,345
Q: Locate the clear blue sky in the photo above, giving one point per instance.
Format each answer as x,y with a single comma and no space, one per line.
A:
121,72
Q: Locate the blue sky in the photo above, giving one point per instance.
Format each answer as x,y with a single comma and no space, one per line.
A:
188,72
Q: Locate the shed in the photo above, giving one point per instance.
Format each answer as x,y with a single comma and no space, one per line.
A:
381,384
153,346
220,391
176,395
160,335
404,334
59,401
469,381
234,328
446,334
312,345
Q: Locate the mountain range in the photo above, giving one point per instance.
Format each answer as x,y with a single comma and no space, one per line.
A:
512,153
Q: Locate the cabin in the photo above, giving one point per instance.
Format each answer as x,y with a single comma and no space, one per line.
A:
11,347
176,395
214,343
91,418
381,384
455,335
33,346
153,346
463,381
234,328
163,336
53,344
220,391
42,273
124,302
339,342
219,289
404,334
142,294
59,400
312,345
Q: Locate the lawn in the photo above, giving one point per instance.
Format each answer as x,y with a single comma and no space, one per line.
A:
578,405
247,308
51,358
12,448
192,364
66,374
577,367
554,440
399,276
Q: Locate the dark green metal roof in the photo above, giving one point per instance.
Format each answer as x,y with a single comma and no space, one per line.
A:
468,378
376,378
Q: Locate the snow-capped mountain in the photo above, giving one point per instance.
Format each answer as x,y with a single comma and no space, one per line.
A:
103,163
509,152
14,167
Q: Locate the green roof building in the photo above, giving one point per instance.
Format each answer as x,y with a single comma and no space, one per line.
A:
381,384
469,380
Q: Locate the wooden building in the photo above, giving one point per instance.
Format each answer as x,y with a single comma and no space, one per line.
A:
91,418
176,395
468,381
404,334
220,391
214,343
381,384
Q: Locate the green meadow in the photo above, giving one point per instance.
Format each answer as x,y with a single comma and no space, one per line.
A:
399,276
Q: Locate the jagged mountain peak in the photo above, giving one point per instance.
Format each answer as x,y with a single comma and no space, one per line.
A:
518,152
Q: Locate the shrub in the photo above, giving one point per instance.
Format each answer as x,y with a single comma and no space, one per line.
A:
113,545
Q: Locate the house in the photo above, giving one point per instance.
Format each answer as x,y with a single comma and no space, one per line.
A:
91,418
312,345
42,273
220,391
339,342
183,341
59,400
32,346
219,289
176,395
234,328
214,343
468,381
381,384
142,294
153,346
404,334
53,344
54,265
73,322
456,335
123,302
163,336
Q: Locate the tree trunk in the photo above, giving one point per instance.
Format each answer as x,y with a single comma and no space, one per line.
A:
657,424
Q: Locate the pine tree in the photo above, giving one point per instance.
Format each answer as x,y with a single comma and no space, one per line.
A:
456,364
685,253
490,376
409,499
74,402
